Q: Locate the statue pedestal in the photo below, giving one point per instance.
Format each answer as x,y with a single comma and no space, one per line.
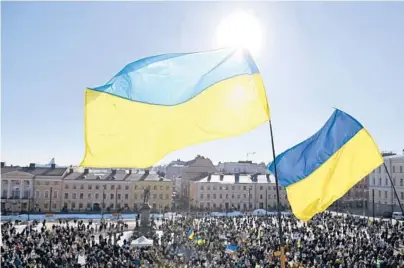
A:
144,227
145,215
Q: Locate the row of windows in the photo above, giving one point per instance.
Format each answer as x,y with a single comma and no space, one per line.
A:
387,182
244,206
238,196
104,206
239,187
399,169
386,194
112,196
97,187
112,187
46,194
46,183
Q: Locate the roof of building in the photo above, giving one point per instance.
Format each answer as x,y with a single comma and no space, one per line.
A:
117,175
231,179
37,171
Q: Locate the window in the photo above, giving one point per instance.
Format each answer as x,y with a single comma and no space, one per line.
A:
201,196
394,169
167,196
261,196
46,194
73,205
74,195
45,205
214,187
89,196
66,195
55,194
111,196
220,196
386,182
90,187
112,187
161,196
168,187
54,205
119,196
46,182
81,186
37,194
74,186
374,181
402,195
155,196
227,196
380,181
66,186
201,187
80,206
126,196
401,182
208,188
127,187
261,188
401,169
97,196
385,194
81,196
119,187
232,188
214,196
97,187
245,196
155,187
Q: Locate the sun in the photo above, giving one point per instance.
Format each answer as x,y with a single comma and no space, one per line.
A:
240,29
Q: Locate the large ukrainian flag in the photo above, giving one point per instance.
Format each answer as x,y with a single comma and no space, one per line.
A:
163,103
324,167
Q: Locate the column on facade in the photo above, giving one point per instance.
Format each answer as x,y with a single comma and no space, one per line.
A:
9,188
21,189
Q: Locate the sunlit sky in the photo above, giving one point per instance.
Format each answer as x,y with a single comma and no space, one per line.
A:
314,56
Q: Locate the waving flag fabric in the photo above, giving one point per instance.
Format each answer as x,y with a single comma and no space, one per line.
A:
324,167
190,234
163,103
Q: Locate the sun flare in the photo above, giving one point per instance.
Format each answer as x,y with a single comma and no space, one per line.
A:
240,29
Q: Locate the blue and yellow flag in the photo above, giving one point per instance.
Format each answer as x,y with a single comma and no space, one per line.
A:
324,167
163,103
190,234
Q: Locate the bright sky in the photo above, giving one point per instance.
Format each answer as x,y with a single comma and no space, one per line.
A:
314,56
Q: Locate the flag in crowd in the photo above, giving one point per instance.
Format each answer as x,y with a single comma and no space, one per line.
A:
190,234
163,103
321,169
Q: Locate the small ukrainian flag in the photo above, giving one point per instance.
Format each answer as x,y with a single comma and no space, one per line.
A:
190,234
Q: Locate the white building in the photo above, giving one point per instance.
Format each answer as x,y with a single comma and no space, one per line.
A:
246,167
240,192
384,197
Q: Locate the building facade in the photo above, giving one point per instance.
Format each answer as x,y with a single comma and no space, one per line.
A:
380,188
54,189
245,167
239,192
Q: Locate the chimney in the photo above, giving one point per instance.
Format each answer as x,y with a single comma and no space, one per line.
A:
53,166
268,178
85,171
237,178
221,177
31,165
113,171
146,172
130,171
4,163
209,177
70,170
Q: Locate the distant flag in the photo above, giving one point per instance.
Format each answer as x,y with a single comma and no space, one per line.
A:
199,241
52,162
230,249
324,167
163,103
190,234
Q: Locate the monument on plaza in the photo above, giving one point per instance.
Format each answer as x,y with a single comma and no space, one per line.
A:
145,209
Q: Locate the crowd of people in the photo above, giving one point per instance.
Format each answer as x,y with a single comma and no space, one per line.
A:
328,240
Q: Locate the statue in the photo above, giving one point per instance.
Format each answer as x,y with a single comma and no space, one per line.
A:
146,195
